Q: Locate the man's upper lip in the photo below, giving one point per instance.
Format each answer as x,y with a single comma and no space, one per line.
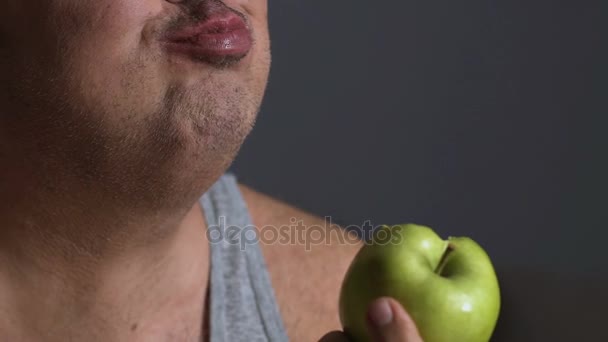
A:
216,23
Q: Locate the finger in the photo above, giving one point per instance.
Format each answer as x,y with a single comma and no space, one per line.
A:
335,336
388,322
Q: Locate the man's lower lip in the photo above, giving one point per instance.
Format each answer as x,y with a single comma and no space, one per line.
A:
206,46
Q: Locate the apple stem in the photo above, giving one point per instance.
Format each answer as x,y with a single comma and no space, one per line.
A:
443,261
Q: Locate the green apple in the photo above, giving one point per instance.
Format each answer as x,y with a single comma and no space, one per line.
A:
448,287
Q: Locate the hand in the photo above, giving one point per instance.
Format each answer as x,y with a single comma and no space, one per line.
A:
387,320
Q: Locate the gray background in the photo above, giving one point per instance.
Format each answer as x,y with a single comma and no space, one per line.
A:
478,118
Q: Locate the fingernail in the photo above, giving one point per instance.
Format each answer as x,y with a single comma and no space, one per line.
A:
380,313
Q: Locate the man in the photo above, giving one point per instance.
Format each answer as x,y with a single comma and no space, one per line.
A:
116,117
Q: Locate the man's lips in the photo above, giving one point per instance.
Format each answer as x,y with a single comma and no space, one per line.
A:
222,35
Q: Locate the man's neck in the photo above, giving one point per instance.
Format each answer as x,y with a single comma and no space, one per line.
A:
63,282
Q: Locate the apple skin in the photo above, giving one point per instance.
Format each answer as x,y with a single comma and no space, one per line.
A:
457,301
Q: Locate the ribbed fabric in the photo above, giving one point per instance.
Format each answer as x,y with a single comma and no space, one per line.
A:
242,302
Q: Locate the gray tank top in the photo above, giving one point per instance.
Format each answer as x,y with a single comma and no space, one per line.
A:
242,305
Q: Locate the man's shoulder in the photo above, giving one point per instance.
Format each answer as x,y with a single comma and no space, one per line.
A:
307,258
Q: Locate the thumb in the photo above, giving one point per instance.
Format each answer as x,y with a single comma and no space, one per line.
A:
388,322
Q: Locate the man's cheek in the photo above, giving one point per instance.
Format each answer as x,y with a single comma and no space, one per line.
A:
108,19
255,9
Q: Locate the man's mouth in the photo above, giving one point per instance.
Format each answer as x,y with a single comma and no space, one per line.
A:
222,37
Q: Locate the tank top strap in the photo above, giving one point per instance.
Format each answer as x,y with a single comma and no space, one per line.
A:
242,301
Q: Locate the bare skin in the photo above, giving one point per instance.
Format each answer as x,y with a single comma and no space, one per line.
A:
307,280
107,140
